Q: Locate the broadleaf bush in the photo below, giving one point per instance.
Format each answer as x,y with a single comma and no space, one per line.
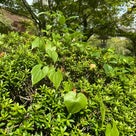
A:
31,106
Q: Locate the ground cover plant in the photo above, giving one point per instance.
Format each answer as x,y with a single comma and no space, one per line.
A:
60,86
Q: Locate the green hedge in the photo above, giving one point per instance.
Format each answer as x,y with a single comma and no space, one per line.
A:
108,81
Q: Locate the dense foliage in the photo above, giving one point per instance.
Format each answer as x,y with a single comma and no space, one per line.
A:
105,79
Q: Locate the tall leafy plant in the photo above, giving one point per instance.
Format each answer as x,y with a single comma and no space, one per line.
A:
39,71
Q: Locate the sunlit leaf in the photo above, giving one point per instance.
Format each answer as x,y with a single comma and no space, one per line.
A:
108,130
114,130
38,74
75,102
55,77
52,54
38,42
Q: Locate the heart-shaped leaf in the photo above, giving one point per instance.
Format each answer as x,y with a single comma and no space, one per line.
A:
75,102
55,77
53,54
51,73
38,42
38,74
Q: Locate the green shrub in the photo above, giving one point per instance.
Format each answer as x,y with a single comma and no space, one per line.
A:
108,81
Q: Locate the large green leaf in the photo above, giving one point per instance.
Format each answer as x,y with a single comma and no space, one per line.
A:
55,77
52,54
38,42
75,102
38,74
51,73
51,51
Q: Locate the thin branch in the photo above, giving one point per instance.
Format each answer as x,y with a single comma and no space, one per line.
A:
34,17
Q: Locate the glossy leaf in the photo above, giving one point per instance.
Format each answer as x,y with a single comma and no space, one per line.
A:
55,77
53,54
75,102
38,42
51,51
38,74
51,72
